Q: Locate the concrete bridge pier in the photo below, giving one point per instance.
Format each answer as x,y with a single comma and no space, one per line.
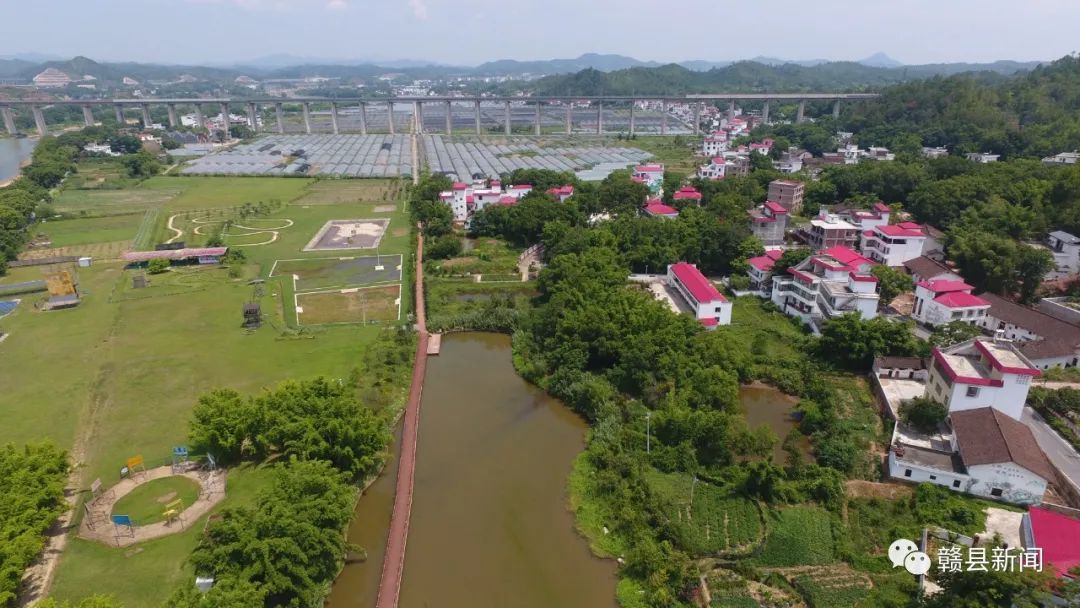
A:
632,104
569,118
9,120
663,117
173,120
39,120
697,118
88,115
225,119
200,120
476,111
599,117
390,115
836,109
253,116
506,117
279,113
146,116
363,118
536,123
449,118
307,117
765,113
731,110
801,113
119,114
333,117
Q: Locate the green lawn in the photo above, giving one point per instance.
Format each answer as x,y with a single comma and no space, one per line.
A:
84,231
145,504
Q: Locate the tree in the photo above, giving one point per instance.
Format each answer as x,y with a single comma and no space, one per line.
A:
94,601
790,258
157,266
222,421
852,342
443,247
141,164
891,282
169,143
954,332
924,414
1000,589
125,144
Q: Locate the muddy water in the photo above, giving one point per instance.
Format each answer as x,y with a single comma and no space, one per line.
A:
13,152
490,525
766,405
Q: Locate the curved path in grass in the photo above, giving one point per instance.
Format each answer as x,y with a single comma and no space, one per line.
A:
394,561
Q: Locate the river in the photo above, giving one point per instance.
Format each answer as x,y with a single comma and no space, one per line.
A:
12,154
490,524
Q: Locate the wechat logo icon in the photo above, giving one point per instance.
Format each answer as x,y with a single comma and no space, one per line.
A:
904,552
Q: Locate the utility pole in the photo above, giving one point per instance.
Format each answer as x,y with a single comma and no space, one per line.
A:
648,431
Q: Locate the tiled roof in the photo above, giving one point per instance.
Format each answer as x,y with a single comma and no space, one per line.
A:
1058,338
944,286
926,267
899,230
1059,538
987,436
959,299
658,208
701,288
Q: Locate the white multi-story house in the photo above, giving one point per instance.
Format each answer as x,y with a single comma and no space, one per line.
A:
760,271
876,153
465,199
716,169
893,244
715,144
826,285
652,175
983,448
829,230
710,307
939,302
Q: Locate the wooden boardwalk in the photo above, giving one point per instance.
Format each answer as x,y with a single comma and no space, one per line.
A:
434,344
394,561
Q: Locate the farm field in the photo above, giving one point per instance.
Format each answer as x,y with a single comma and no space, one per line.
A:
118,375
717,521
85,231
797,536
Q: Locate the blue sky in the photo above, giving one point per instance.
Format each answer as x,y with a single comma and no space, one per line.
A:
472,31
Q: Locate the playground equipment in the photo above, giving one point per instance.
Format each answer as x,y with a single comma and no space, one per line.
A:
173,511
179,459
122,526
133,463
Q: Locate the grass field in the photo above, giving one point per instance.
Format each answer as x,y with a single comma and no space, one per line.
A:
355,305
328,273
332,192
84,231
146,503
717,521
119,374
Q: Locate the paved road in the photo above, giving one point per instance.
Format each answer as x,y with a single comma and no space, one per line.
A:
1057,449
394,561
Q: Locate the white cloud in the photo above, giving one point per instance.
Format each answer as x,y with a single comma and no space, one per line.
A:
419,9
277,4
337,5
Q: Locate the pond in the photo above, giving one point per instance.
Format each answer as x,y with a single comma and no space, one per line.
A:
490,523
763,404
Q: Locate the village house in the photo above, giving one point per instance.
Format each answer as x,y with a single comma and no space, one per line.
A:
828,230
561,193
1064,158
760,271
893,244
982,447
938,302
715,144
827,284
652,175
1066,251
656,208
716,169
788,193
689,194
769,222
1047,342
924,268
982,157
938,152
709,306
878,153
863,219
465,199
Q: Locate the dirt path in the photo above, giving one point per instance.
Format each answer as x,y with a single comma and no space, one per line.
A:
858,488
394,561
177,233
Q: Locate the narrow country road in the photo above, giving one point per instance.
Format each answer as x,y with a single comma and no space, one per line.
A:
394,561
1057,449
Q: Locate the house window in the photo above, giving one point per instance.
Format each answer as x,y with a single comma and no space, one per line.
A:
907,472
933,477
956,483
972,391
996,492
1023,379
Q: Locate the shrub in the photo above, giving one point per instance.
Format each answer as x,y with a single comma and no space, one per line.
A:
157,266
924,414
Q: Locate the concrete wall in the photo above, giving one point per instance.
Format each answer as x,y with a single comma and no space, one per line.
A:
1056,308
1017,484
898,469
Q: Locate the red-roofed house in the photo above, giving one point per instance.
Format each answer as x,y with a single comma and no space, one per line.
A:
826,285
562,192
942,301
715,144
894,244
769,223
981,373
709,305
760,271
652,175
1057,535
687,193
656,208
716,169
465,199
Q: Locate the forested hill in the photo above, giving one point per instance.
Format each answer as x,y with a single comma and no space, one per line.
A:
1033,114
750,76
